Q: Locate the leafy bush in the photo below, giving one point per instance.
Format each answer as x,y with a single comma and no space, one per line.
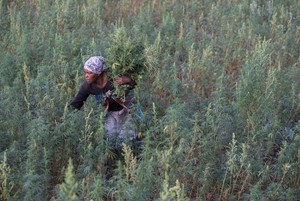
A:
217,82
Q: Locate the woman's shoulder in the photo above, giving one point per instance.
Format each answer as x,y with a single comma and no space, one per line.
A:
85,85
88,88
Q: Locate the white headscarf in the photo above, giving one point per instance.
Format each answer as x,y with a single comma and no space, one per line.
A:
95,64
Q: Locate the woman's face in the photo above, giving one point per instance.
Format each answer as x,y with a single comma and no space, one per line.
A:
90,77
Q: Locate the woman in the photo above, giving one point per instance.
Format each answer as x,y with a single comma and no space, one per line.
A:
118,126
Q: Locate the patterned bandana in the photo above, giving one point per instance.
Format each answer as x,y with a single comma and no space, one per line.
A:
95,64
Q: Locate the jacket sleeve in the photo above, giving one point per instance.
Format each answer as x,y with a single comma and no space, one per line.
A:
81,96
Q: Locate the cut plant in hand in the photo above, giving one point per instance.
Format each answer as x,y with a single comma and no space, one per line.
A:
126,57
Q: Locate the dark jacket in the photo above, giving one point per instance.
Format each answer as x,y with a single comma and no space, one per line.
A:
92,89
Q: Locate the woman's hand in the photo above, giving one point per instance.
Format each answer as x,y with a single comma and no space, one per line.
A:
123,80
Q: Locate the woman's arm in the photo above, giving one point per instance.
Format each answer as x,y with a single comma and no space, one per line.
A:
122,80
81,97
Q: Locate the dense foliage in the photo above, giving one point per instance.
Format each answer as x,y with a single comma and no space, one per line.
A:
125,57
220,101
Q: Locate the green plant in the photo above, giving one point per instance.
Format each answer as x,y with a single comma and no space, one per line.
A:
125,57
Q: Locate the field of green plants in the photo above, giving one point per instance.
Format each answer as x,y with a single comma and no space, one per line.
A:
220,101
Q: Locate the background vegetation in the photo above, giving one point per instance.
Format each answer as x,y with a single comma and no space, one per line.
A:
220,105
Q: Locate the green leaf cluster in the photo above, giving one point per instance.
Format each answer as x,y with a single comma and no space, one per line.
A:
125,57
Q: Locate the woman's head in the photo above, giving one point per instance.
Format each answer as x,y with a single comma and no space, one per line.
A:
95,64
93,67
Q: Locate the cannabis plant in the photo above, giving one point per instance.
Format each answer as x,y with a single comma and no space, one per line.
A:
125,57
